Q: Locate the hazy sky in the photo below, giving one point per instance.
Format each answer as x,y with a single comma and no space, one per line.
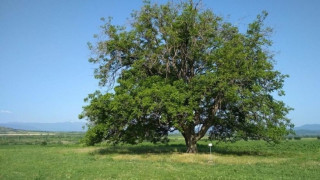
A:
44,68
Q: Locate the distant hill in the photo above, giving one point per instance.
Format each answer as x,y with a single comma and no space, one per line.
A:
6,130
57,127
308,130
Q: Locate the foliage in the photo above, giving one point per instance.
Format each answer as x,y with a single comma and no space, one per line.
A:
180,67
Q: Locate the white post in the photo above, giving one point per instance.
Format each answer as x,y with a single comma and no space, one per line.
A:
210,145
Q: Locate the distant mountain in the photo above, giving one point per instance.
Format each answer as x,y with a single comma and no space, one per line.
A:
308,130
312,127
60,126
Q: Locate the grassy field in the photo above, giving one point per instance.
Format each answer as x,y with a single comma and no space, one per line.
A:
62,157
40,138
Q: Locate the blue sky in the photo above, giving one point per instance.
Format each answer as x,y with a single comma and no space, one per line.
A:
44,68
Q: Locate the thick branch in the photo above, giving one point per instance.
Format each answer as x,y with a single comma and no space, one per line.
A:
209,122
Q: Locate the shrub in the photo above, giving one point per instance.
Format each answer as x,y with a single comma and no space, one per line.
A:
297,138
43,143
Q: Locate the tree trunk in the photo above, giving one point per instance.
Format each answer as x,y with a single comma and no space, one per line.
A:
191,143
192,147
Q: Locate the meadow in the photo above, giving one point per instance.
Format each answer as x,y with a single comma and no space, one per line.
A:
62,156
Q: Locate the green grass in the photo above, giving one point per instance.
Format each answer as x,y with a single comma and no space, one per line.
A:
295,159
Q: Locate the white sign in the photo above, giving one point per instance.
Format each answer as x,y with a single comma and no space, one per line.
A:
210,144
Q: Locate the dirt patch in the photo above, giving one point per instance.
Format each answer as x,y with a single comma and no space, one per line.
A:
85,150
79,150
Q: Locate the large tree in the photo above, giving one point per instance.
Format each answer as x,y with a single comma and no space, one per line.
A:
181,67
